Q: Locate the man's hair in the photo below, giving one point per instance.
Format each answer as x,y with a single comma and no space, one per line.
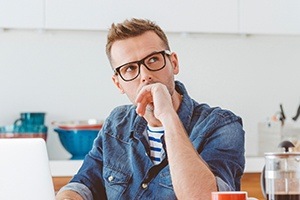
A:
132,28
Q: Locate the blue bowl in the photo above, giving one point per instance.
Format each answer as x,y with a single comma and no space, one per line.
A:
77,142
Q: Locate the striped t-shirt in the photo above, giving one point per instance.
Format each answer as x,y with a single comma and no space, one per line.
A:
157,152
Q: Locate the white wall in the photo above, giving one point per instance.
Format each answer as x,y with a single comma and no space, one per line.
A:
66,74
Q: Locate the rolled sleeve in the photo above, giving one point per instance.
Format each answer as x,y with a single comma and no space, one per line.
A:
222,185
80,188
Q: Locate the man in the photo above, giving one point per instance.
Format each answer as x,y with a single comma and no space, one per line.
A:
165,145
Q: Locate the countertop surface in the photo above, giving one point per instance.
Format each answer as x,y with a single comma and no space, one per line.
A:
70,167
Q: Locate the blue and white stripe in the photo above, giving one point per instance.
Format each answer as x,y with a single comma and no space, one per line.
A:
157,152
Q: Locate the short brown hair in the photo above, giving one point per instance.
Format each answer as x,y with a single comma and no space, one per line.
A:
132,28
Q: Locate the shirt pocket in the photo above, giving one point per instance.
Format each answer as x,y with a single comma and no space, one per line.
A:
116,182
165,180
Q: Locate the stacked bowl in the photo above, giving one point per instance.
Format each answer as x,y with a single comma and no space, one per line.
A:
77,137
28,125
18,131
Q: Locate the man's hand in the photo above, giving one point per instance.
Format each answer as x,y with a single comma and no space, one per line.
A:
154,100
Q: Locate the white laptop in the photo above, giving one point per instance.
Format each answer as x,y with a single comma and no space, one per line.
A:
24,170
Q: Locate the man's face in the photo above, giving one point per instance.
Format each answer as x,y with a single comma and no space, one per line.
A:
134,49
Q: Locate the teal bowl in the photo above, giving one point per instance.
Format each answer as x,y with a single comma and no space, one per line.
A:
77,142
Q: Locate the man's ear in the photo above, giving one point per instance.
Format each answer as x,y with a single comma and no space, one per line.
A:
115,79
174,62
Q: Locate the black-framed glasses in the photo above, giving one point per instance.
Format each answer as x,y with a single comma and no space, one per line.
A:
153,62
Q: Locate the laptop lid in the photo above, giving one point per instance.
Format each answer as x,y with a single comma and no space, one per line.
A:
24,170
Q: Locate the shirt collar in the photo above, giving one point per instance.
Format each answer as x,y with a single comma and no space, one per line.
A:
187,105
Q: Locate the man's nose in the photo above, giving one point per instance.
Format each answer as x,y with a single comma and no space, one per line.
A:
145,73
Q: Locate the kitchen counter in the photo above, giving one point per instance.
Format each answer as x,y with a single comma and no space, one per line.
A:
64,167
69,167
254,164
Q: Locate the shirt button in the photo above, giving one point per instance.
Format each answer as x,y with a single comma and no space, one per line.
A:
144,185
110,178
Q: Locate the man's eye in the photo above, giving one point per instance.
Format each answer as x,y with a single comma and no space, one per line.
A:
153,59
130,68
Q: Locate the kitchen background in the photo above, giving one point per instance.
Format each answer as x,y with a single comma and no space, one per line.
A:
65,73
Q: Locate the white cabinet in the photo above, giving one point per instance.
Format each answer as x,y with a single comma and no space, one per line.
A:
75,14
21,14
270,16
171,15
203,16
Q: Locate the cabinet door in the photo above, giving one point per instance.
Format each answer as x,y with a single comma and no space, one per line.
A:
21,14
206,16
172,15
270,16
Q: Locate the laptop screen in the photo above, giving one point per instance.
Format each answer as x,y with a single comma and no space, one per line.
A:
24,170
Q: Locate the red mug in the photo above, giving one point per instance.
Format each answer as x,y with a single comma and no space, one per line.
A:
229,195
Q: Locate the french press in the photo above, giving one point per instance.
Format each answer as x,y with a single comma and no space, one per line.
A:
281,174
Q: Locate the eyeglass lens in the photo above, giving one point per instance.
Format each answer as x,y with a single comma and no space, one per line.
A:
153,62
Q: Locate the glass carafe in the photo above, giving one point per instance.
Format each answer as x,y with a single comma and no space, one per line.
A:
282,175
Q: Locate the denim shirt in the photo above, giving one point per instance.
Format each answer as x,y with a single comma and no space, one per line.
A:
119,166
